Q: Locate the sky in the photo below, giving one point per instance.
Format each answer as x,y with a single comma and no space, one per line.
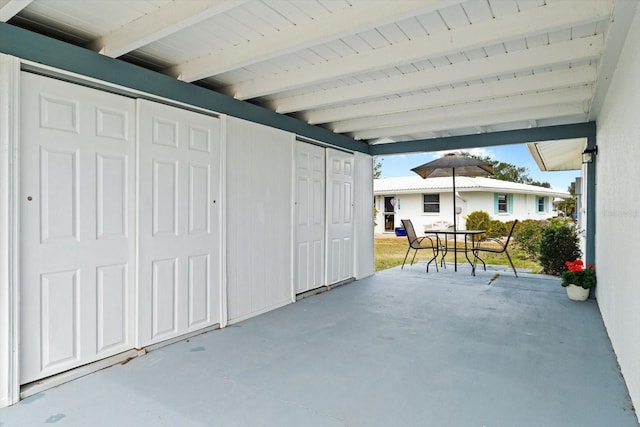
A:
401,164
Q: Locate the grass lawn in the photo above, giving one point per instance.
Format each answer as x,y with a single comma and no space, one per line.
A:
390,251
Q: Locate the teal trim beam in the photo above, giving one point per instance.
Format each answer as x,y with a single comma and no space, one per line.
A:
55,53
590,249
520,136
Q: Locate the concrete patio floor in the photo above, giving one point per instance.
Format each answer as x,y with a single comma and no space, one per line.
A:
401,348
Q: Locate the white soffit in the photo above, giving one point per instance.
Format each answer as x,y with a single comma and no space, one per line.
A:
561,155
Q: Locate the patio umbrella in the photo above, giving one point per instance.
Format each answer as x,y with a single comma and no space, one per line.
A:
453,164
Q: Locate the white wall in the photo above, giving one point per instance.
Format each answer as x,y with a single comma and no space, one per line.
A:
258,218
618,211
409,206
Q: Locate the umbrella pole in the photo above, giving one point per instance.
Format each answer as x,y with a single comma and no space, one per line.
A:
455,228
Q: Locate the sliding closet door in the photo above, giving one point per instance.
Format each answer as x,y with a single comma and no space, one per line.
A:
77,226
179,231
310,209
340,229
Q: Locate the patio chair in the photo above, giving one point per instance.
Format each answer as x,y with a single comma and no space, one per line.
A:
481,246
418,243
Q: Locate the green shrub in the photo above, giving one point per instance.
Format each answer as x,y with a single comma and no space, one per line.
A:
528,236
478,220
558,244
497,229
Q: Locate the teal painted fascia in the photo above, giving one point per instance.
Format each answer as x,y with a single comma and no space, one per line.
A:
520,136
35,47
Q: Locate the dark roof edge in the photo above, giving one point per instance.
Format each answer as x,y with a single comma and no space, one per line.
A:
58,54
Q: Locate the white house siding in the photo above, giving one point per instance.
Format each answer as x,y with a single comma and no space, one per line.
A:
618,211
258,218
410,206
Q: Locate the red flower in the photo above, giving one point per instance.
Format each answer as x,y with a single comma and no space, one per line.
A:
575,265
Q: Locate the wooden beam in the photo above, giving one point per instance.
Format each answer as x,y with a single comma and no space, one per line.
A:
169,19
353,19
10,8
493,89
523,60
489,119
543,19
490,139
462,111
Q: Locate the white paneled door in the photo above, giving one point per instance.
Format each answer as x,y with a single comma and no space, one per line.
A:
179,231
340,227
77,239
310,216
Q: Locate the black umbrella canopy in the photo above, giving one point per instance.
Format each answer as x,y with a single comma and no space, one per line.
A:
445,166
453,164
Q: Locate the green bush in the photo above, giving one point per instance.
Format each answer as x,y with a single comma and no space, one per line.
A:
478,220
528,236
497,229
558,244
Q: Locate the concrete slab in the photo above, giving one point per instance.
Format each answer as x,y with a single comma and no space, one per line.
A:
402,348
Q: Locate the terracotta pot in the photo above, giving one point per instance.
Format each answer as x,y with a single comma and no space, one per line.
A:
577,293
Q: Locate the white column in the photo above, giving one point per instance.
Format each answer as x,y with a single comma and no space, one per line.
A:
9,235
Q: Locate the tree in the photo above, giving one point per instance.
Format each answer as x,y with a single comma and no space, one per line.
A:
569,205
509,172
377,167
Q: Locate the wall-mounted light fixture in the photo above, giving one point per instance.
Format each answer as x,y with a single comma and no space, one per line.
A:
589,154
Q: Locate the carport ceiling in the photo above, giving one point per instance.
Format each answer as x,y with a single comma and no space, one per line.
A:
377,71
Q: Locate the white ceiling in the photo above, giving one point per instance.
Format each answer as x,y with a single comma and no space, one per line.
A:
375,70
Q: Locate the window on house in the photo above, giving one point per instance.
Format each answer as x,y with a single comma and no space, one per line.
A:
431,203
503,203
541,205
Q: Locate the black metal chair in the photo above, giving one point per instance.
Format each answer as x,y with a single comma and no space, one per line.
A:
502,247
418,243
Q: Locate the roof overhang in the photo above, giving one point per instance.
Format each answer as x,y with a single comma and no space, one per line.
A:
556,155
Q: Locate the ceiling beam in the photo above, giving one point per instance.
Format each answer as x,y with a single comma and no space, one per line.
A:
543,19
460,142
493,89
166,20
10,8
356,18
489,119
522,60
470,109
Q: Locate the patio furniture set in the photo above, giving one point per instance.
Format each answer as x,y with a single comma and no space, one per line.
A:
437,242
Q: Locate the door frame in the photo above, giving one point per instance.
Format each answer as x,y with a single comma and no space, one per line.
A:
9,229
385,213
11,68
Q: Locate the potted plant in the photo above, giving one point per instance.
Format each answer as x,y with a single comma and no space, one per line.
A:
578,280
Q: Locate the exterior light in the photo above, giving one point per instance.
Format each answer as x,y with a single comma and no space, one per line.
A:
589,154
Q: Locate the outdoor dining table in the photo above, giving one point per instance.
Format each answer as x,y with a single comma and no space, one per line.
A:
470,237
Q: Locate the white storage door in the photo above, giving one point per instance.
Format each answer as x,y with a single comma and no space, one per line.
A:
310,214
77,189
179,231
340,229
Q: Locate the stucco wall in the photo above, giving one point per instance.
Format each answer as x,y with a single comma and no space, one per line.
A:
618,210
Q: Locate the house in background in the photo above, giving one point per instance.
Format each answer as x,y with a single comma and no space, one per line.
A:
428,202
